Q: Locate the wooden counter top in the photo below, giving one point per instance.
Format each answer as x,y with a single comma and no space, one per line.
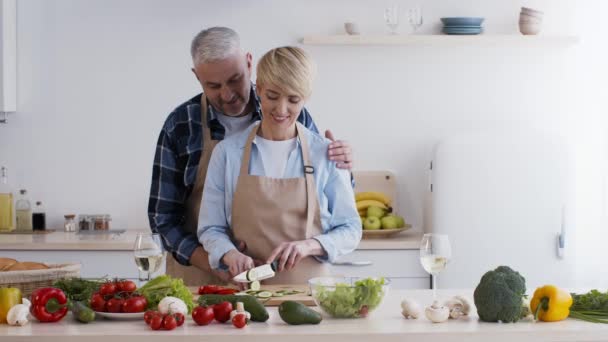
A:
60,240
385,324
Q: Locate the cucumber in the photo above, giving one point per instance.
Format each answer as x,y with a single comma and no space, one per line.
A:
82,313
296,313
255,285
252,305
264,294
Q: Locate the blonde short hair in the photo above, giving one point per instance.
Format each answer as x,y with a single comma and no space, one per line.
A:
289,68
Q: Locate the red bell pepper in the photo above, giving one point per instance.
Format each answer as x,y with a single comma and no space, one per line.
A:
216,289
49,304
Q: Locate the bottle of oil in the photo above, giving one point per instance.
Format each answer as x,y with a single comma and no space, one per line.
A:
23,208
39,217
7,221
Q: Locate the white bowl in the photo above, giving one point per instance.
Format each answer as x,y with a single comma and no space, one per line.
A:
529,29
351,28
531,11
529,19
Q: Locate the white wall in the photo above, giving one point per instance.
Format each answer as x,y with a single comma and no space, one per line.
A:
97,78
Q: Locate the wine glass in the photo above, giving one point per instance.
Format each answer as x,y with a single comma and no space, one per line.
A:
435,251
391,18
415,17
149,254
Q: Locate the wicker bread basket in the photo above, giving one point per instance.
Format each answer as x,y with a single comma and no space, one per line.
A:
28,281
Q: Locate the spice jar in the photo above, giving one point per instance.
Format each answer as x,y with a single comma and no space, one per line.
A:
70,223
101,222
84,222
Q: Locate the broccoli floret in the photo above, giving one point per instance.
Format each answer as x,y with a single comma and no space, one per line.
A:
498,297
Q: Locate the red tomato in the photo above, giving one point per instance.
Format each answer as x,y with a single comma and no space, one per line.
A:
126,286
156,322
115,304
222,311
202,315
134,304
97,302
239,320
179,318
107,289
149,315
169,322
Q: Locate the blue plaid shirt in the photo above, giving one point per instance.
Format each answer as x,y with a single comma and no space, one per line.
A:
178,152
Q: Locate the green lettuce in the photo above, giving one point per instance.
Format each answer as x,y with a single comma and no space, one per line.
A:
348,301
162,286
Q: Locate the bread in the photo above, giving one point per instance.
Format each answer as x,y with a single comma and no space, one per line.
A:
6,263
26,266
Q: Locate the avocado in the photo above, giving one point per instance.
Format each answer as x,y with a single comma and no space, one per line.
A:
296,313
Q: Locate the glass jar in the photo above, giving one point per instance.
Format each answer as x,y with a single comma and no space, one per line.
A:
85,222
69,225
101,222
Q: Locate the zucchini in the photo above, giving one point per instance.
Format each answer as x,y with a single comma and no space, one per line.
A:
252,305
255,285
264,294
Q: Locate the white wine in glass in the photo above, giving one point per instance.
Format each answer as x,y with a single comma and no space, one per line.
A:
148,252
435,252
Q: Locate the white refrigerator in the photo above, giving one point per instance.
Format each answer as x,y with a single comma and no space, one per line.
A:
503,198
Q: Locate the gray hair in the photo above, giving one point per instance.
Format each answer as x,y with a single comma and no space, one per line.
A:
213,44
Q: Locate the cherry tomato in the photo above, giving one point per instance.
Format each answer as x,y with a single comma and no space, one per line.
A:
107,289
222,311
156,322
115,304
134,304
169,322
202,315
149,315
179,318
126,286
98,303
239,320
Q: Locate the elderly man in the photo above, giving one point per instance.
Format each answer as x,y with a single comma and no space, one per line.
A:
228,105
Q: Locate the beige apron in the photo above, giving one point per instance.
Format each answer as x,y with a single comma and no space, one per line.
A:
268,211
193,276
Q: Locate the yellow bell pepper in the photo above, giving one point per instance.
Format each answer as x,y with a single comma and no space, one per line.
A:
9,297
550,303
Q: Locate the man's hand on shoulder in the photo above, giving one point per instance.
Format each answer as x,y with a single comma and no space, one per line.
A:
340,152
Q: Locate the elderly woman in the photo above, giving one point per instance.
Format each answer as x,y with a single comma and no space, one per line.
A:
273,187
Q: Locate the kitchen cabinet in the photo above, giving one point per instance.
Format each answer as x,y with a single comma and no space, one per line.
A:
112,255
401,266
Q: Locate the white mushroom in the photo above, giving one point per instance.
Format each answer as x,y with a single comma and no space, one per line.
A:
437,313
458,306
410,309
18,315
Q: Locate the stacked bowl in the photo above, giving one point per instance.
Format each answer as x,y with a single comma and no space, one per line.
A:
462,25
530,21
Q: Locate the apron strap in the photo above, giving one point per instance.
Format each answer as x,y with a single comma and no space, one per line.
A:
309,170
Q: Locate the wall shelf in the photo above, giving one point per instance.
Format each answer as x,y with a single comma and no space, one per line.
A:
441,40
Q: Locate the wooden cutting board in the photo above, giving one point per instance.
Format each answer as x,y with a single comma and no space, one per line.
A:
304,297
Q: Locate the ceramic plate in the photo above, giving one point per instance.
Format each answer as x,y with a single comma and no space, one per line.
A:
384,233
120,315
455,21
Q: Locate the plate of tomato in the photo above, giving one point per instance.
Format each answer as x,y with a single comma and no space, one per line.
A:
118,300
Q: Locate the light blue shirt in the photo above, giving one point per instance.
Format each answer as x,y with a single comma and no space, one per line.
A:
340,220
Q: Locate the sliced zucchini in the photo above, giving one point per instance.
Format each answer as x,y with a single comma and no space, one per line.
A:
278,294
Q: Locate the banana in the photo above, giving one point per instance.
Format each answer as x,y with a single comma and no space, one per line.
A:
364,204
373,195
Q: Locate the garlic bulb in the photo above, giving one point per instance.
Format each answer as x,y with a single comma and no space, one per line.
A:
18,315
